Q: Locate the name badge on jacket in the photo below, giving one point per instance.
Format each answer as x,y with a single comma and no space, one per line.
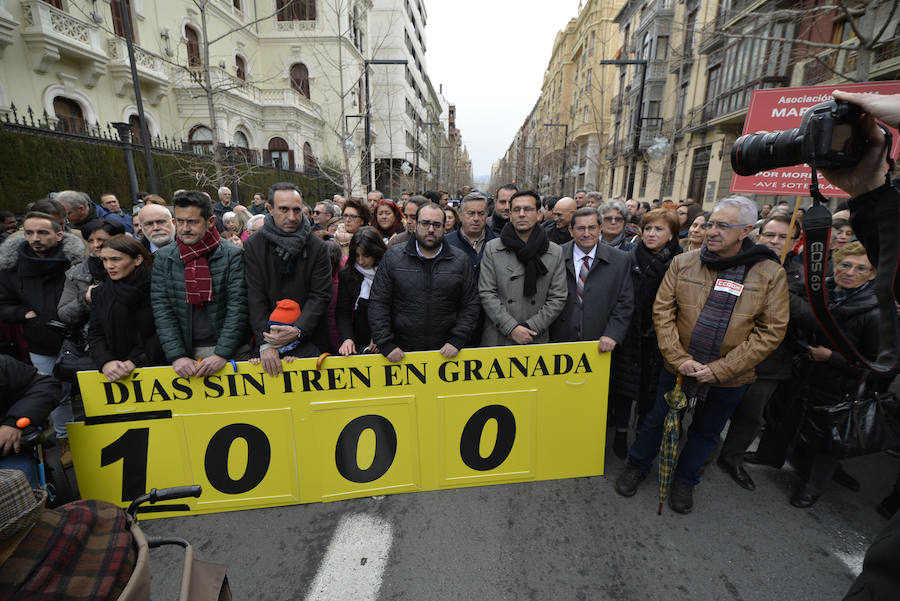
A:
728,286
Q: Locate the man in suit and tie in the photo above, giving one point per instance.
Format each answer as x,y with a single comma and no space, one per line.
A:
601,293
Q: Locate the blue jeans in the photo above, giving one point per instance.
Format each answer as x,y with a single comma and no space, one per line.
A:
24,461
62,415
710,418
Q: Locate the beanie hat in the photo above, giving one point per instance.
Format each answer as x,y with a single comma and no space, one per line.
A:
286,311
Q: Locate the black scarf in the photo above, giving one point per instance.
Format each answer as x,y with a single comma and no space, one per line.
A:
130,313
528,253
96,269
31,265
130,292
288,245
650,268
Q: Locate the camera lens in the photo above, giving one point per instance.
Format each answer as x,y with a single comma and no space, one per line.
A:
753,153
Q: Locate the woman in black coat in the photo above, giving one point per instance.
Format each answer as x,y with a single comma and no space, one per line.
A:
828,377
122,334
354,284
637,361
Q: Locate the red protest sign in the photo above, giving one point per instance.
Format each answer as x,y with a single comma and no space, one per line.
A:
782,108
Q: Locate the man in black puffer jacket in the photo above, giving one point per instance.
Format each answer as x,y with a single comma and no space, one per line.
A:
424,296
32,277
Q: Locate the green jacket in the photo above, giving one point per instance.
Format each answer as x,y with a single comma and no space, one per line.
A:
228,309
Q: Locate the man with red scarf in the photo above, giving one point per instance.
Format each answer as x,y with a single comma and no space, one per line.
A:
198,292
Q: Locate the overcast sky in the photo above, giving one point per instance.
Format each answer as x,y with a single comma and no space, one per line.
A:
490,56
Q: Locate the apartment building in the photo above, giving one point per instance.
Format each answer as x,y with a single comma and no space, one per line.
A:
673,119
284,76
559,146
410,142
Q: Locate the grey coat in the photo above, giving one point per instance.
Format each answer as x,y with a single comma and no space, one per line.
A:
500,287
73,308
608,298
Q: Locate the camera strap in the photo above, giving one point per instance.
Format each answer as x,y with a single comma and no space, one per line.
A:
816,243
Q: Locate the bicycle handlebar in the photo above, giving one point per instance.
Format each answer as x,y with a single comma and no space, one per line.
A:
165,494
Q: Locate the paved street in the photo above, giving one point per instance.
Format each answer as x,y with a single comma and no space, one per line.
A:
566,539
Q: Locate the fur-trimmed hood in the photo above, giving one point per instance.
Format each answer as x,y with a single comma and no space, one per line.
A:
72,248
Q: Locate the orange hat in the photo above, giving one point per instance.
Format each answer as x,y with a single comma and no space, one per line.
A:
286,311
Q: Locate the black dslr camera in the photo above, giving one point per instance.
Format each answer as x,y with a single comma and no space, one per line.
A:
830,136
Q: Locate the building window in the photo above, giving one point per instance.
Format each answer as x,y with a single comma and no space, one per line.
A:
300,78
55,3
309,159
279,154
296,10
240,68
236,4
200,140
70,117
193,47
117,7
662,47
134,124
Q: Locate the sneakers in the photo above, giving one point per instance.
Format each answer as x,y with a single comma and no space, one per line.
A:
681,497
628,481
65,452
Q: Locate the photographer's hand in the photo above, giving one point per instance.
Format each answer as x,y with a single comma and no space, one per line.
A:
869,173
881,106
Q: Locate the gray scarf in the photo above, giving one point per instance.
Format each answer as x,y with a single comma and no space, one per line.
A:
287,244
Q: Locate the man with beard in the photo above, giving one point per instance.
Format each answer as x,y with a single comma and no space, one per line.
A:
522,283
198,293
285,260
424,296
500,216
32,277
157,227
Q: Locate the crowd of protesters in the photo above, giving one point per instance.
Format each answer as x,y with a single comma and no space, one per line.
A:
716,296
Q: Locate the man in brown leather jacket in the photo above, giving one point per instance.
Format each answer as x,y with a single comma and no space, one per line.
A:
719,312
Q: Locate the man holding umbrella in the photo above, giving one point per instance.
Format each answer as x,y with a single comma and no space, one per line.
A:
718,313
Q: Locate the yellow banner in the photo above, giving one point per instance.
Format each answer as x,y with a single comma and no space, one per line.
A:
359,426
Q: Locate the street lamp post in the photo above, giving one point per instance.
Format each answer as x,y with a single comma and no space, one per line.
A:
368,141
565,145
124,131
138,100
639,117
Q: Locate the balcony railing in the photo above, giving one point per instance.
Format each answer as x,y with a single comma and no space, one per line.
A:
709,38
656,8
52,33
146,62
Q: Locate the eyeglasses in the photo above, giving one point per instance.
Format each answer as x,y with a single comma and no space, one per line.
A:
317,212
351,216
721,225
426,224
613,219
860,269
